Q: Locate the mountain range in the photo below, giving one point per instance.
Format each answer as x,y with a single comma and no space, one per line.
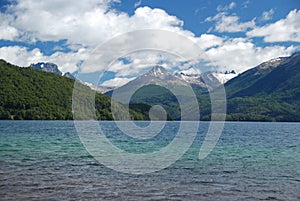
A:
267,92
207,80
158,75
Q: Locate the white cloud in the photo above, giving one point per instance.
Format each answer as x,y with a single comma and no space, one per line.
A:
241,54
143,61
245,4
226,7
267,15
68,62
225,23
206,41
116,82
137,4
86,24
7,32
283,30
81,22
21,56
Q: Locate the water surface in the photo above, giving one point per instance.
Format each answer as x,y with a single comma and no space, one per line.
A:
45,160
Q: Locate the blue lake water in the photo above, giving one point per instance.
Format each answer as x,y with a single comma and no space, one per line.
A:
45,160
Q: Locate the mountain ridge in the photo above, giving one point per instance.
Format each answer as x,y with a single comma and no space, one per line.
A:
267,92
160,76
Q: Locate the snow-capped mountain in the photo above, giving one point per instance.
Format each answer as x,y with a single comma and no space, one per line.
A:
268,66
160,76
210,80
156,76
221,78
224,77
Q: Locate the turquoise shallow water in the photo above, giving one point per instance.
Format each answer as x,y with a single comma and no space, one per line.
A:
45,160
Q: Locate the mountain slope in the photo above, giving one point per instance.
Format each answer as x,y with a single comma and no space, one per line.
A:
157,87
280,79
147,90
235,86
27,93
270,91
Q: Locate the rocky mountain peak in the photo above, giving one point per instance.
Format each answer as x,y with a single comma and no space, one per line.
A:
158,70
47,67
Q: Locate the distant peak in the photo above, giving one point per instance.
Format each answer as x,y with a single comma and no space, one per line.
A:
44,63
47,67
40,65
158,68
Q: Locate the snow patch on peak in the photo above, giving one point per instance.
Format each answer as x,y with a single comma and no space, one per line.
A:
158,71
271,63
274,60
224,77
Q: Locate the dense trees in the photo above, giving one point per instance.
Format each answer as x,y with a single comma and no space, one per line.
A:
27,93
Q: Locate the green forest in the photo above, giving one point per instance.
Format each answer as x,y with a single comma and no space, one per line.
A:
30,94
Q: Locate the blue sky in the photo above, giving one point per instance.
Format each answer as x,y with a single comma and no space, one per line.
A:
234,34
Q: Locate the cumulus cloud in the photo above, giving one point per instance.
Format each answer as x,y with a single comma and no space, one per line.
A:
206,41
86,24
225,23
241,54
7,32
21,56
82,24
283,30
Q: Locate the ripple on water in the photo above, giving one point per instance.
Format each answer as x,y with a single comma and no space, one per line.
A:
252,161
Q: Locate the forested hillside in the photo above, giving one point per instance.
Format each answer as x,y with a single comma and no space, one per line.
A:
27,93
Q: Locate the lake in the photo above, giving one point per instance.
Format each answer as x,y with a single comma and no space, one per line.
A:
45,160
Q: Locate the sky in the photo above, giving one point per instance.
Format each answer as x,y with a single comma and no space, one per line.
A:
233,35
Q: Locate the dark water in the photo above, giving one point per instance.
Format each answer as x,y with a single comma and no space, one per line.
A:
45,160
